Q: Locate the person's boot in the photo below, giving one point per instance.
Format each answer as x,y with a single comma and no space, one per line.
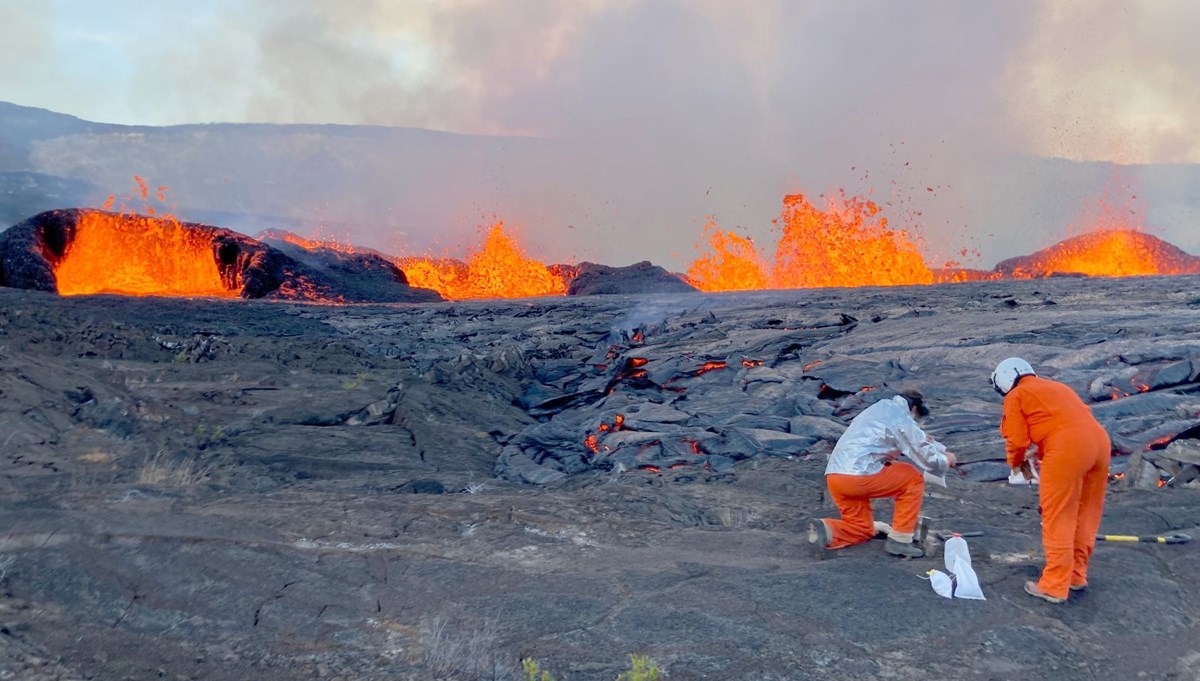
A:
904,550
819,534
1032,589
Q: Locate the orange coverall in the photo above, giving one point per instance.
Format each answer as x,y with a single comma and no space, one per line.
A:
1075,450
853,494
862,467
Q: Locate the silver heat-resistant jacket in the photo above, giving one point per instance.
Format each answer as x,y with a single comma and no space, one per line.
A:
882,428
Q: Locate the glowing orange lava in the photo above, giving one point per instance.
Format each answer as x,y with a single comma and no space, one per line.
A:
136,255
710,366
734,264
846,244
1106,253
314,244
499,269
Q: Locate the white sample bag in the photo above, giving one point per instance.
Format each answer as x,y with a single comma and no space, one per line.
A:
941,583
962,582
958,562
1016,477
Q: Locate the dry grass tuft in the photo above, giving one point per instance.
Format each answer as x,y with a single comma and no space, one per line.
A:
167,472
96,457
468,652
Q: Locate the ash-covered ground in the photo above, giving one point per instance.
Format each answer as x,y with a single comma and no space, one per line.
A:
195,489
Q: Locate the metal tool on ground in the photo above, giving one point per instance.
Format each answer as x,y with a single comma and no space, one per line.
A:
946,534
1176,538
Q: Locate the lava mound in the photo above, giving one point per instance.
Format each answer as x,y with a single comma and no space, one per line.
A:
1105,253
83,251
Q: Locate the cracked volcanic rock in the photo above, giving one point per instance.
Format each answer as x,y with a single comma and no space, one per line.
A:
247,489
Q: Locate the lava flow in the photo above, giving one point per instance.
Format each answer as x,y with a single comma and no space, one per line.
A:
1106,253
847,244
499,269
314,244
136,255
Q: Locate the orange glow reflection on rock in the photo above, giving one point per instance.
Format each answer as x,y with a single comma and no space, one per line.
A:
499,269
137,255
845,244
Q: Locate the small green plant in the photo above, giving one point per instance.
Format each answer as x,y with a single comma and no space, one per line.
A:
209,437
533,671
640,669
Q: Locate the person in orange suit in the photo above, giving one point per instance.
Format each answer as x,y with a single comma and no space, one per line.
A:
1074,450
864,466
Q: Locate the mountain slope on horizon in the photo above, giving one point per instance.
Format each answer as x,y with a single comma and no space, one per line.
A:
411,190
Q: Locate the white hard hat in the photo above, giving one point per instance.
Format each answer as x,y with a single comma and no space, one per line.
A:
1007,372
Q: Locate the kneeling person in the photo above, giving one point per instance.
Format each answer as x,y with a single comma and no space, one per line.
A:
863,467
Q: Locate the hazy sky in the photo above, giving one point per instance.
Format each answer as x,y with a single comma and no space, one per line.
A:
776,95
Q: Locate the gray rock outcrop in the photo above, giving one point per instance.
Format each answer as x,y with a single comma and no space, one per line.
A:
643,277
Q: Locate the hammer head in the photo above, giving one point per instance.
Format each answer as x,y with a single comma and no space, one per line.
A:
924,538
922,530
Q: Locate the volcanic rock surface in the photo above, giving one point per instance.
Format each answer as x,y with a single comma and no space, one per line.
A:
358,275
32,252
643,277
234,489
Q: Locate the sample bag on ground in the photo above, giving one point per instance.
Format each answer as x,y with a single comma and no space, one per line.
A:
962,582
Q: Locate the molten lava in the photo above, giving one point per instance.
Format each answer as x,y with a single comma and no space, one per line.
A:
847,244
137,255
710,366
499,269
314,244
1107,253
734,264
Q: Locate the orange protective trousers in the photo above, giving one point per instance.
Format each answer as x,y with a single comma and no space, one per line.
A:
853,494
1075,452
1074,474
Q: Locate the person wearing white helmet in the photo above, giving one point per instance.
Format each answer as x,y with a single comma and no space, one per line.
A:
863,467
1074,450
